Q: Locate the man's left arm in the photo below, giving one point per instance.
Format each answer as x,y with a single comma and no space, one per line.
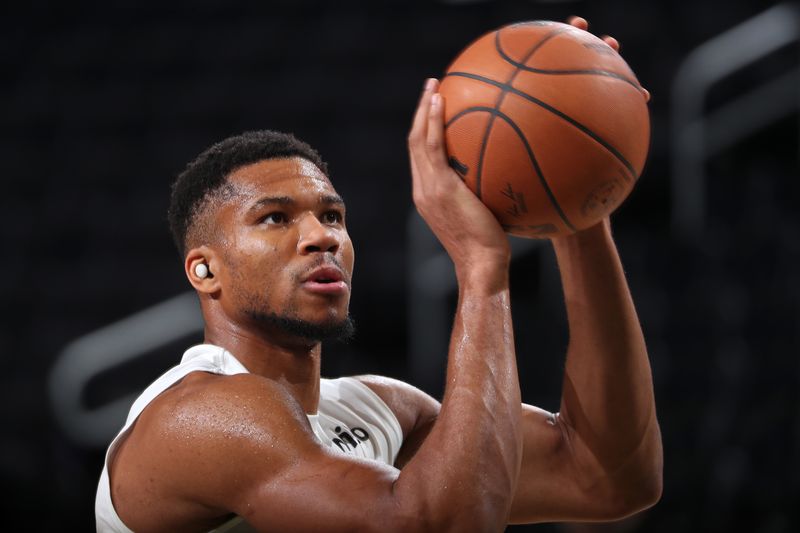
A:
600,458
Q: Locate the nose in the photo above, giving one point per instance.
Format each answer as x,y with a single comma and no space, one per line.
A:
317,237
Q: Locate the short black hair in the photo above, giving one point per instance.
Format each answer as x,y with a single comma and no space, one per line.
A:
209,171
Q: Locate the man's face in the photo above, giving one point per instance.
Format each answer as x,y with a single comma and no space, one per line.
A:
288,259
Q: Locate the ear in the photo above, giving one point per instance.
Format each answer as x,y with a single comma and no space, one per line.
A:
202,255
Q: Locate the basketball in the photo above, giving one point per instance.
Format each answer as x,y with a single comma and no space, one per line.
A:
547,125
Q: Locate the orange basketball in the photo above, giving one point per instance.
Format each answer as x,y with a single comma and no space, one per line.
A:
548,126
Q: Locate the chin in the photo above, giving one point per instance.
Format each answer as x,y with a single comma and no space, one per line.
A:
331,327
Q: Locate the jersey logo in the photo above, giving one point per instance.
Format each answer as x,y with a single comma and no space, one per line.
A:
349,441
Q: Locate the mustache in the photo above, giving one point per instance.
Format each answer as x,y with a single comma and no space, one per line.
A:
327,259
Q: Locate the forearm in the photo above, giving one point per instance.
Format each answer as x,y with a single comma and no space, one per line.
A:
463,477
467,467
608,397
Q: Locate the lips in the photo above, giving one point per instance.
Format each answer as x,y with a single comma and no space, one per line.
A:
325,280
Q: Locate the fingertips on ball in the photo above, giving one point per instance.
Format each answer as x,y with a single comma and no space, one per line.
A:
613,43
578,22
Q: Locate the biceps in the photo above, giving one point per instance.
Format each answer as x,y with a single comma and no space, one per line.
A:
553,482
545,490
327,493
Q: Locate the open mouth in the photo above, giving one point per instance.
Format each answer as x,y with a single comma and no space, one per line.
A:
326,280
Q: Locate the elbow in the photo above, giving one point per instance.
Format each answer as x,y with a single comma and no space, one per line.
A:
640,484
654,490
644,495
636,495
648,481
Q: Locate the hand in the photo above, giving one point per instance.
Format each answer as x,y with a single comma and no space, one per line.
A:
582,24
466,228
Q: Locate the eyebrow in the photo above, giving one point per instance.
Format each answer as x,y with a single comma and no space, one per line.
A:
329,199
332,199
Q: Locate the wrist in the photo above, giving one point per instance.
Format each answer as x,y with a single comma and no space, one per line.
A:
487,276
592,235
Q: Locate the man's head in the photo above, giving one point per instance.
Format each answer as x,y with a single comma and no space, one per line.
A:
259,211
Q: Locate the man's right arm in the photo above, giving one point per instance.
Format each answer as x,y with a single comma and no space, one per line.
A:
243,445
463,477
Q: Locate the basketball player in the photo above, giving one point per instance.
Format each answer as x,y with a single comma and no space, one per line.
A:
244,434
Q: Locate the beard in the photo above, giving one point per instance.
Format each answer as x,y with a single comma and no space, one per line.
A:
342,330
285,321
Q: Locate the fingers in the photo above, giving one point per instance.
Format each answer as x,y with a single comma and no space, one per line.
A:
579,22
419,131
419,126
610,41
426,140
583,24
435,138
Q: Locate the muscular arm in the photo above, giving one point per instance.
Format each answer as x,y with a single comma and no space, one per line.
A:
475,447
600,458
241,444
602,454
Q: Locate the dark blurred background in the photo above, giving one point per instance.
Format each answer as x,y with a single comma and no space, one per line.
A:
102,105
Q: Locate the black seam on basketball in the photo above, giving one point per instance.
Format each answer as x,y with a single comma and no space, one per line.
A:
521,65
585,72
499,102
556,112
589,72
521,135
479,170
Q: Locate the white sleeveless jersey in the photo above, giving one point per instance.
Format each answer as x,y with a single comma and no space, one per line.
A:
351,419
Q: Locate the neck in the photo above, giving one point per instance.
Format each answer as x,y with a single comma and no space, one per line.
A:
292,362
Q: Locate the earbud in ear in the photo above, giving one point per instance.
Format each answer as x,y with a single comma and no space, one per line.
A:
201,270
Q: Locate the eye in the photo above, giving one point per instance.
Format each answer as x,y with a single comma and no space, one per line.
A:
275,218
332,217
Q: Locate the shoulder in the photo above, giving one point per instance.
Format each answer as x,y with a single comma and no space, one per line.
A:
207,407
197,403
412,406
192,448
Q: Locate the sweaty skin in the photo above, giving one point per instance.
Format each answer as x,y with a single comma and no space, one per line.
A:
212,446
215,445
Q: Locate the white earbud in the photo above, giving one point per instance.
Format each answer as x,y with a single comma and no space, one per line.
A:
201,270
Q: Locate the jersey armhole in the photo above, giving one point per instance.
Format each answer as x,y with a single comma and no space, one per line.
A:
393,418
